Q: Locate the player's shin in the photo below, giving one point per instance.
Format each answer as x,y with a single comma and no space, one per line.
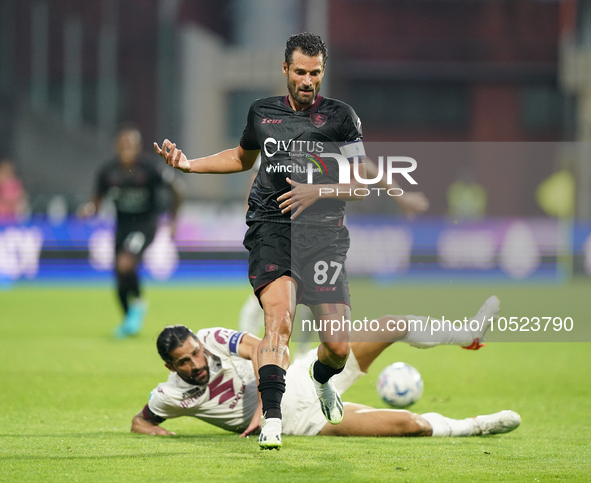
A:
424,332
271,387
468,332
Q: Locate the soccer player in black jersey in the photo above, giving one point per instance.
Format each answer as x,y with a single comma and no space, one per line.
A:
296,238
133,182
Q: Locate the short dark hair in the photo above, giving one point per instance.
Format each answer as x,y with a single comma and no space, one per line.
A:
170,338
310,45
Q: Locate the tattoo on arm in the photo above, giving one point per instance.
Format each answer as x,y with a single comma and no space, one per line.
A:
281,351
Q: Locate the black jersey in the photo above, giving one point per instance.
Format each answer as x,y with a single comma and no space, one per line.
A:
134,191
293,143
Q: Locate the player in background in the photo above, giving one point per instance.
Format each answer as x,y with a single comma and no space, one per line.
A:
212,378
133,182
288,131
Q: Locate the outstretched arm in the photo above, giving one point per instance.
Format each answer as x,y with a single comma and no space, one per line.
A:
233,160
248,350
140,424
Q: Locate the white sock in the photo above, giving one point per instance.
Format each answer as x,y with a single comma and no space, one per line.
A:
426,332
252,317
442,426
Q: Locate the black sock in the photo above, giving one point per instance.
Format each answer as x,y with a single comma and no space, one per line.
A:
127,284
322,372
134,285
271,387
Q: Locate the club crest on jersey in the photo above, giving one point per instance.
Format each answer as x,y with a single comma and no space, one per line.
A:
318,119
271,267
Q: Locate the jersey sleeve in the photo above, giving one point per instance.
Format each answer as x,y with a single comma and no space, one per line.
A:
161,405
249,140
223,341
351,136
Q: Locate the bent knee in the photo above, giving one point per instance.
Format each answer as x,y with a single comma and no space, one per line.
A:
126,263
339,350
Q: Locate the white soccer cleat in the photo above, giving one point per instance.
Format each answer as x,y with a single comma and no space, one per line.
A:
330,399
488,314
270,437
498,423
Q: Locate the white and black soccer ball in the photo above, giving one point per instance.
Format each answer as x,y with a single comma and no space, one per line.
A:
400,385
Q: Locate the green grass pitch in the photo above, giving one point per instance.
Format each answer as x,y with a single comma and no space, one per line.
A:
69,391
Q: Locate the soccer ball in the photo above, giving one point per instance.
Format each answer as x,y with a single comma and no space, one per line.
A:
400,385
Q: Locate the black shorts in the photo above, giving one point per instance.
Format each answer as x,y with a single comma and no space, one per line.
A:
135,237
314,256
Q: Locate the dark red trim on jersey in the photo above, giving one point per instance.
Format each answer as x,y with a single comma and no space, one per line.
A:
316,103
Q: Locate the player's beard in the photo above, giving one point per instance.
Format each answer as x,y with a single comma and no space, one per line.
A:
295,93
197,380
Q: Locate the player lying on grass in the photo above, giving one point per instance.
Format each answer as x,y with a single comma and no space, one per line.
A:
213,378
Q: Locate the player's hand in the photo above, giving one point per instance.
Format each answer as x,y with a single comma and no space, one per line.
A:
142,426
298,198
174,157
413,203
158,431
255,423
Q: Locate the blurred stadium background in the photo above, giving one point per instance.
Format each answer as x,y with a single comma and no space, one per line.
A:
495,94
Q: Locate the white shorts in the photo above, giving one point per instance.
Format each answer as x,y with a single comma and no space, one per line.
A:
300,407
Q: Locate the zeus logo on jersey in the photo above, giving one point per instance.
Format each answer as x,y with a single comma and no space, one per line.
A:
272,146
